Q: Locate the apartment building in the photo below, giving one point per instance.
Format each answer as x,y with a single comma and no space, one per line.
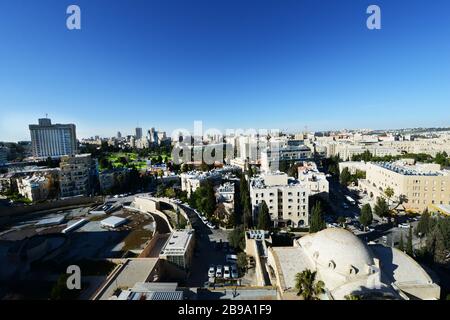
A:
53,140
272,156
424,185
315,181
34,188
286,198
76,175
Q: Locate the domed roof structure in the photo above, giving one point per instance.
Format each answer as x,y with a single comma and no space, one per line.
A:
338,250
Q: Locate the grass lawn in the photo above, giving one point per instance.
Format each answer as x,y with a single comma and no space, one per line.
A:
132,158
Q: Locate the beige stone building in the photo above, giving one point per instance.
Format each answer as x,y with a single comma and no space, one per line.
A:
286,198
424,185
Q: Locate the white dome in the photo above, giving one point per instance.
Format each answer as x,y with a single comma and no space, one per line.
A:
338,250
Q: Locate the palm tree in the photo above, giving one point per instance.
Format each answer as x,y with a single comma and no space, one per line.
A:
389,192
306,285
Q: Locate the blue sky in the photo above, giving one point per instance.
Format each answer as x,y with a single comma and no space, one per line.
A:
282,64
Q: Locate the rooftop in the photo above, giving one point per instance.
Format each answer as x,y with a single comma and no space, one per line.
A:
178,242
420,169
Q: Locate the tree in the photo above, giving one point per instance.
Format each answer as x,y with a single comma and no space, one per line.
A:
389,192
236,238
381,208
409,243
345,177
245,202
242,261
423,227
221,214
317,222
307,286
401,245
341,220
264,222
366,215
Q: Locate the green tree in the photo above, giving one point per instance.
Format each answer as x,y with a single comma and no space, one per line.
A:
401,244
366,215
245,202
341,220
423,227
409,243
236,238
381,208
264,222
317,222
242,261
345,177
307,286
389,192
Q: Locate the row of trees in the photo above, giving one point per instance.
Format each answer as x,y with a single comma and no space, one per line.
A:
441,158
436,230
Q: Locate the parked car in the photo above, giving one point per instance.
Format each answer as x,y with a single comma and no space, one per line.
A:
404,225
219,273
226,272
210,225
234,271
211,271
231,258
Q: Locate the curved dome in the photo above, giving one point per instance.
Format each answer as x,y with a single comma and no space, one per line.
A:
338,249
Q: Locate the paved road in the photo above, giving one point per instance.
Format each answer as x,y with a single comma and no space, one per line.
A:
205,253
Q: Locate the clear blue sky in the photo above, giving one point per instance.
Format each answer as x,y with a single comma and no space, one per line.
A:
282,64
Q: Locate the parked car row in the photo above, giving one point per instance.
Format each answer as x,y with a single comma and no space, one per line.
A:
205,220
223,272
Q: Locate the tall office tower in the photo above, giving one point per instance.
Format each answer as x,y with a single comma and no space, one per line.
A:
53,140
138,134
119,135
153,135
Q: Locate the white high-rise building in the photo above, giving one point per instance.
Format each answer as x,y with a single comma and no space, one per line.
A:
53,140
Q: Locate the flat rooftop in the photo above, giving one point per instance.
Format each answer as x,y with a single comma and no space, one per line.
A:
291,260
411,170
133,271
113,221
178,242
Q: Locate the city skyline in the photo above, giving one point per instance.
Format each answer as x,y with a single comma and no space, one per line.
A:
228,64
